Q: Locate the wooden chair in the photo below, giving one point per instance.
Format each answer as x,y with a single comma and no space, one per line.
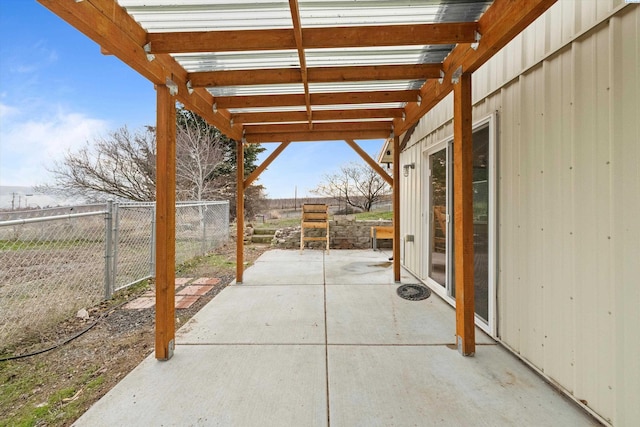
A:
380,232
314,216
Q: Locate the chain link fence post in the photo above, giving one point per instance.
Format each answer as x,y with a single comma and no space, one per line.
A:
152,247
203,222
115,245
108,244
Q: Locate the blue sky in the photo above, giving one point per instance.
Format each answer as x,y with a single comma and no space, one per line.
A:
58,92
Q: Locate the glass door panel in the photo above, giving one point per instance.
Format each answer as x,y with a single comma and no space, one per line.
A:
481,221
438,217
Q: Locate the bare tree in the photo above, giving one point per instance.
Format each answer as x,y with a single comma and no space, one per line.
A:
199,153
357,183
121,165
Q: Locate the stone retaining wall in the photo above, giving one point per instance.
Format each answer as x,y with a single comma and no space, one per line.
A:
345,233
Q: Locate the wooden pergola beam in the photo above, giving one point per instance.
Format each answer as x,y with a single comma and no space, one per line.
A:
109,25
270,117
314,135
313,38
239,211
390,35
396,209
245,77
318,115
302,127
463,215
498,25
372,163
297,35
374,72
314,75
165,223
251,101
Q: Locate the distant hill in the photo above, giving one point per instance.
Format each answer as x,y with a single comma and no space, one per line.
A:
20,198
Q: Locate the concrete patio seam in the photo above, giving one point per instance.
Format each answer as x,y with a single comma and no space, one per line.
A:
326,339
194,344
402,345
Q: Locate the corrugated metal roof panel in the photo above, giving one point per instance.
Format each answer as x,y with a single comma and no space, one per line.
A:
246,60
279,89
315,13
208,15
365,86
377,55
357,106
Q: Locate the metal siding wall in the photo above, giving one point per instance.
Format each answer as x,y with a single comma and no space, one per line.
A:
529,223
509,206
594,373
625,209
411,209
568,198
558,301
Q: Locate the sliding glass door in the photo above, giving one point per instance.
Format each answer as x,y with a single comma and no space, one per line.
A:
440,250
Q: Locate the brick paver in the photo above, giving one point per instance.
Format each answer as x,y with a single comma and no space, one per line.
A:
185,297
140,303
185,301
195,290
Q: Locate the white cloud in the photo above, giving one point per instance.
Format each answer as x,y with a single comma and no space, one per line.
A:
29,144
6,111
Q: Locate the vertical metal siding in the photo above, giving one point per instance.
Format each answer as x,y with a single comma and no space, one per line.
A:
625,209
591,187
411,187
567,92
558,301
529,223
509,207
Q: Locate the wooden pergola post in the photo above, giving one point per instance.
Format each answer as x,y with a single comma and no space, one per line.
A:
463,215
396,208
165,223
240,210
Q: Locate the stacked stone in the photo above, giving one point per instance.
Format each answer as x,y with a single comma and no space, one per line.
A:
345,233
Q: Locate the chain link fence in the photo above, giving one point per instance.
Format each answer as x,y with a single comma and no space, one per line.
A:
54,262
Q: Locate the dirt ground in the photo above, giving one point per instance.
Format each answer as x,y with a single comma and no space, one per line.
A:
56,387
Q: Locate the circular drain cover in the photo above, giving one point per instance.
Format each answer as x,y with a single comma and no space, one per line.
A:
414,292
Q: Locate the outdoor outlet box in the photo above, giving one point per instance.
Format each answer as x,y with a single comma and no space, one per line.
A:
408,238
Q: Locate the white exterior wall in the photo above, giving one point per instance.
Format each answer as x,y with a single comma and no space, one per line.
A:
567,96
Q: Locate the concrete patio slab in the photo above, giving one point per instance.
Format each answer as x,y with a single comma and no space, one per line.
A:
364,272
259,314
301,272
363,268
260,355
358,254
373,314
432,385
284,255
234,385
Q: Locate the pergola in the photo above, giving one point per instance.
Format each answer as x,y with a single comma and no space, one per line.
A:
306,70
